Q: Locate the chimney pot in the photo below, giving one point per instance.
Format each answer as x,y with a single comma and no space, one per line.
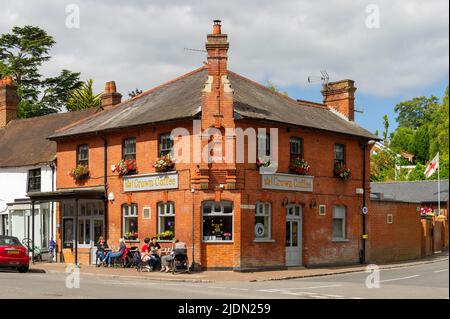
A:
217,28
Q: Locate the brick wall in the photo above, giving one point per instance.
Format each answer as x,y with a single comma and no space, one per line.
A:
400,240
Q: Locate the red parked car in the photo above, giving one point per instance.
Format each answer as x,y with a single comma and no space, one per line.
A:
13,254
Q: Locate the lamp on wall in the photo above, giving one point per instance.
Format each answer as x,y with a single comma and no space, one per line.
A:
313,203
285,202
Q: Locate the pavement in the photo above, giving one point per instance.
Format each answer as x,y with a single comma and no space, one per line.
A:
424,279
228,276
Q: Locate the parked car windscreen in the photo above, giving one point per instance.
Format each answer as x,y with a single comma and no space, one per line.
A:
9,241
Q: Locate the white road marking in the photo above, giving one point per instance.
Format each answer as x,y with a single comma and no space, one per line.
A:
313,287
241,289
396,279
442,270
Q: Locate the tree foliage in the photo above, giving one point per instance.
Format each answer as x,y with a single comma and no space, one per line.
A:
423,131
83,98
416,112
271,86
22,53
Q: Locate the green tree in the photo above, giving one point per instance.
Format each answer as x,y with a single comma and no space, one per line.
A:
415,112
22,53
382,166
439,129
402,140
83,98
385,129
421,144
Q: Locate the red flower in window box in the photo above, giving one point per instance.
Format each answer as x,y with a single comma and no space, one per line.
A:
300,166
164,164
125,167
341,171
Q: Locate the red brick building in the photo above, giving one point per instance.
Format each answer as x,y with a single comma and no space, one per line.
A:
230,214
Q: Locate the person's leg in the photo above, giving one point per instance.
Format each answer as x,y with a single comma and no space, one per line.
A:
112,256
106,258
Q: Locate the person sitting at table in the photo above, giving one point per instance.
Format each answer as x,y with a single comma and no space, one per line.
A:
154,249
101,246
145,253
111,255
167,261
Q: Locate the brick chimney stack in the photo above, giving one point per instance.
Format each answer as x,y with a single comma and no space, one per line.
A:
340,96
110,97
217,105
9,100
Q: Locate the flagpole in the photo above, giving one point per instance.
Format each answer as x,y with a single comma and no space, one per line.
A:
439,187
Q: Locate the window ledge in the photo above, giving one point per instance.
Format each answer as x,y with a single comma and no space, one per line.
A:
218,242
132,241
337,240
264,241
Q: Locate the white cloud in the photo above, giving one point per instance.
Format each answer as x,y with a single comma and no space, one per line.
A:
140,44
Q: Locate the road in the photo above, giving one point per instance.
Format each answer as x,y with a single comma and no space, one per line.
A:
419,281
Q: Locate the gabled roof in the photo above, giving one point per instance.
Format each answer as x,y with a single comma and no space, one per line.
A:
24,142
410,192
181,98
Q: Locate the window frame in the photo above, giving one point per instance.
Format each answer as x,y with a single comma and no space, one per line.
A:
164,151
344,223
172,214
294,156
267,139
124,150
339,161
29,177
78,160
268,237
123,217
222,204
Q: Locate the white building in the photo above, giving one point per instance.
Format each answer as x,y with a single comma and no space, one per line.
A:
28,163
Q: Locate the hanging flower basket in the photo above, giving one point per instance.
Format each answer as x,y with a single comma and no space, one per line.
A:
300,166
164,164
342,172
125,167
80,173
263,162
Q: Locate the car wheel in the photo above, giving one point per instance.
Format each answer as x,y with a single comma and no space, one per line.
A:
23,269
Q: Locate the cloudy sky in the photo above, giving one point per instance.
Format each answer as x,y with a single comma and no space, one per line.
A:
140,44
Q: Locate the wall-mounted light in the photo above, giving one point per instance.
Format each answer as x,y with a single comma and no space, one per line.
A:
313,203
111,196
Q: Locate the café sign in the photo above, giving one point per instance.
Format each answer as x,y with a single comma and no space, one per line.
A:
287,182
150,182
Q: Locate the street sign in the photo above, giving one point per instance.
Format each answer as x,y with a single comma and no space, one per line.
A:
364,210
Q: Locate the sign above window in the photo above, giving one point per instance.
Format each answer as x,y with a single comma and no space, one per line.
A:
288,182
150,182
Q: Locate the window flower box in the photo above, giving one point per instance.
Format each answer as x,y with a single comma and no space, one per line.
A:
131,236
80,173
164,164
125,167
342,172
300,166
167,235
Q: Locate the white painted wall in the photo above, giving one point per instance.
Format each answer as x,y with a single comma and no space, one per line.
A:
13,185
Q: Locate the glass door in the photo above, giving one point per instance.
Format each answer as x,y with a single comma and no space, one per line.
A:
293,235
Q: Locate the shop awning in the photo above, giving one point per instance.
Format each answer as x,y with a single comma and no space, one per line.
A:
96,192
